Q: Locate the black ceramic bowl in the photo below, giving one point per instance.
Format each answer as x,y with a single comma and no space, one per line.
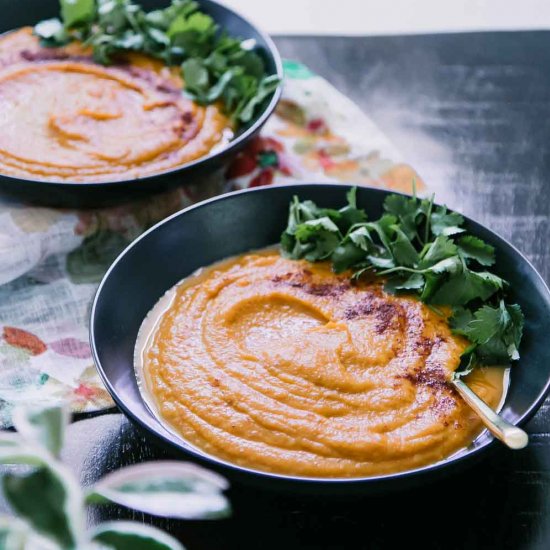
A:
20,13
235,223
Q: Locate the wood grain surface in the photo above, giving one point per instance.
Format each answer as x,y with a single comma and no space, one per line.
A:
471,112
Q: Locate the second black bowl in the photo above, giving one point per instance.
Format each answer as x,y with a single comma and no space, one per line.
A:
29,12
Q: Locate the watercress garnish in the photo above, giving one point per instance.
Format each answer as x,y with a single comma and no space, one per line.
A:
421,249
214,65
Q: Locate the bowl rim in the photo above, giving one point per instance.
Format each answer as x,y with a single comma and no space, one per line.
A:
272,51
460,457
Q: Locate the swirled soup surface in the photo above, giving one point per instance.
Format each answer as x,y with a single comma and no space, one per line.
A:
283,366
65,118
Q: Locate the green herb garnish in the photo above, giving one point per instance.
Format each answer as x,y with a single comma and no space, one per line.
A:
215,66
421,249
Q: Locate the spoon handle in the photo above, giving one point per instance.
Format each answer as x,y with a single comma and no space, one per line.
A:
510,435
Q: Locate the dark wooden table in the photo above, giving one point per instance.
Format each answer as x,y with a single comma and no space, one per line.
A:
471,112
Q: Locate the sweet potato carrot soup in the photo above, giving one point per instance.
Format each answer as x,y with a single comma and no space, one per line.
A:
335,354
65,117
285,366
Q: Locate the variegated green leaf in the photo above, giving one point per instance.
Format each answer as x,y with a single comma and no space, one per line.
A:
12,534
43,426
167,489
50,500
127,535
13,450
16,535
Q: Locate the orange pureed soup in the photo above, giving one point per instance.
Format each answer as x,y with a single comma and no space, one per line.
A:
283,366
66,118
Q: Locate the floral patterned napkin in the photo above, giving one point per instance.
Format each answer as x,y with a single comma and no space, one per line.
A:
51,261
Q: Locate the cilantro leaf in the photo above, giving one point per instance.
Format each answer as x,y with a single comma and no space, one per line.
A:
443,222
383,229
514,330
195,75
411,282
52,33
497,331
162,18
345,256
264,89
464,286
448,265
197,22
460,319
432,281
309,234
434,276
77,12
319,237
350,215
402,249
486,322
467,363
474,248
361,237
381,260
406,210
311,226
438,250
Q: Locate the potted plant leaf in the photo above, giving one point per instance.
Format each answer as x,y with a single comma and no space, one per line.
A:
49,503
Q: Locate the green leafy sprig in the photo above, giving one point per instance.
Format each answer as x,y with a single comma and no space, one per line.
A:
50,504
419,248
214,65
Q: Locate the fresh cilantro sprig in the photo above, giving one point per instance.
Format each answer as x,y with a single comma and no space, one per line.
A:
214,65
419,248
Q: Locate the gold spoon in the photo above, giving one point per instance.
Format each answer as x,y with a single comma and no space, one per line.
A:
510,435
